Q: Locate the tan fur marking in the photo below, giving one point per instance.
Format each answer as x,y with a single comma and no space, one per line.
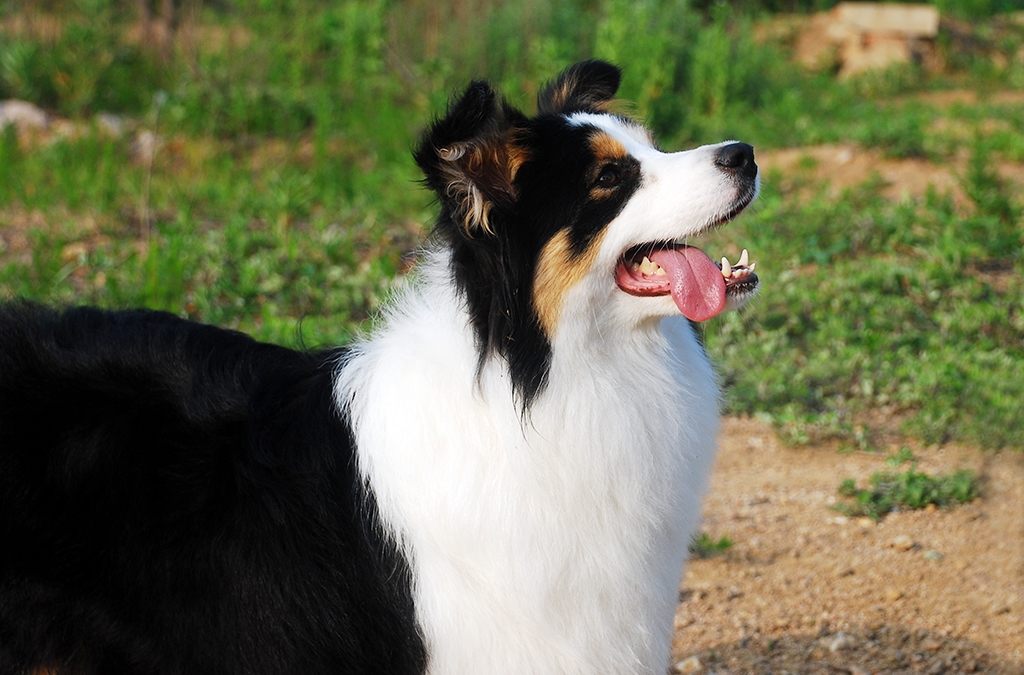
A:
606,148
557,272
561,96
477,174
517,156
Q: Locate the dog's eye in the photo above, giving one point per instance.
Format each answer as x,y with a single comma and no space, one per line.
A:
609,176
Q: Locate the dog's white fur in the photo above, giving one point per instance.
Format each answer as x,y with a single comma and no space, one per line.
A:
551,542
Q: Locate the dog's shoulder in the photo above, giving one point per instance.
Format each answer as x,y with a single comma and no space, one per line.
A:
139,348
147,378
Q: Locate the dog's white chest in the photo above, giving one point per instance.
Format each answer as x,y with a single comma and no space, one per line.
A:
551,543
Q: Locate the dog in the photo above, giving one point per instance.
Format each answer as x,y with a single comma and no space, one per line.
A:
503,477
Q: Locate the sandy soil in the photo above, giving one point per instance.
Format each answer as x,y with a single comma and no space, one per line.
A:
805,590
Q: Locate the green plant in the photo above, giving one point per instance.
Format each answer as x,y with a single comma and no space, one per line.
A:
910,489
706,546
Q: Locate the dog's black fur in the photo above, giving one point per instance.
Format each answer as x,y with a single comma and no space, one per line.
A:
188,504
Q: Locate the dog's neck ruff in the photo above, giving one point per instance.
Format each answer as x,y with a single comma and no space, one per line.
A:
545,543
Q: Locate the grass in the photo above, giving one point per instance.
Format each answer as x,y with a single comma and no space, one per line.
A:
282,199
706,546
910,489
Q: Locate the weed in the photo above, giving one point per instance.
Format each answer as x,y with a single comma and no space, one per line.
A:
910,489
901,456
706,546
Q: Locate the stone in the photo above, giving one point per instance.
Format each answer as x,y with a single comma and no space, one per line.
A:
863,36
919,21
999,607
902,543
689,665
74,252
840,642
22,115
844,570
110,124
144,147
874,52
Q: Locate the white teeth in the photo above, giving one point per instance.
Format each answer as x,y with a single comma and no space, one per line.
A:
740,272
743,262
648,267
726,268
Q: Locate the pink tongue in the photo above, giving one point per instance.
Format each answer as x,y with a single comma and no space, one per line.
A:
697,284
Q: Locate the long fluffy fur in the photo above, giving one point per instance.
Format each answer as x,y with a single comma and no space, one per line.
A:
550,545
502,478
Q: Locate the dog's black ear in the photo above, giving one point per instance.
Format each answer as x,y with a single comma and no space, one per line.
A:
588,86
470,157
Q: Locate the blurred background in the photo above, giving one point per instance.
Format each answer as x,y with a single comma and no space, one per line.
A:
246,163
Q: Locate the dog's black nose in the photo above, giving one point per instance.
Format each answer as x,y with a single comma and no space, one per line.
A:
737,158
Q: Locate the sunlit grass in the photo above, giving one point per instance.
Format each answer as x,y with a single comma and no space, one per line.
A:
281,198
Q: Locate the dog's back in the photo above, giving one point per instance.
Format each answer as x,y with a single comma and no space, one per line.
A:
180,498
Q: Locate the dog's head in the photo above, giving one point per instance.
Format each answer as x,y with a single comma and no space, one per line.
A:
574,214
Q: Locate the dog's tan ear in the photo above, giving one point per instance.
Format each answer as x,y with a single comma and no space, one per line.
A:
588,86
470,158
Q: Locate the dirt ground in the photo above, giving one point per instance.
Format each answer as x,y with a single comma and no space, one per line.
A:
806,590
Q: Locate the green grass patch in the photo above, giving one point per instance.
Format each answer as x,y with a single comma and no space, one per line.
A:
910,307
889,491
706,546
282,198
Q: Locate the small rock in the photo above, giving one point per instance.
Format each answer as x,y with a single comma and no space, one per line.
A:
931,644
844,571
110,124
903,543
937,668
690,665
73,252
857,670
892,595
144,146
932,554
682,621
865,523
999,607
22,114
840,642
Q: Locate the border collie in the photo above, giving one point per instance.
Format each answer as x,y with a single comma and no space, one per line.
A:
502,478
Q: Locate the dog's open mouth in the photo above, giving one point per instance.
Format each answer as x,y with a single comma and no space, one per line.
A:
700,286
